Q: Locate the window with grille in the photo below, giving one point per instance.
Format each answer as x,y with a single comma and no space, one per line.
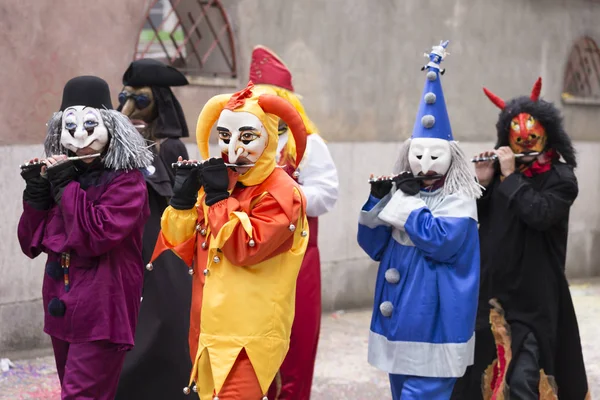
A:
194,36
582,74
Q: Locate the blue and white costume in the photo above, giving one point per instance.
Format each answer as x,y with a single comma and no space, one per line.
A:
422,329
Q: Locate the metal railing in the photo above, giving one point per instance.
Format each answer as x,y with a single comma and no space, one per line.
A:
194,36
582,74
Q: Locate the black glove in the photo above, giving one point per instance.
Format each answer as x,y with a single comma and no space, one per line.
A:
216,181
407,183
185,189
37,188
380,189
59,175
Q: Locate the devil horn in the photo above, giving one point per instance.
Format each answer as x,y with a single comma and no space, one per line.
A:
537,88
495,99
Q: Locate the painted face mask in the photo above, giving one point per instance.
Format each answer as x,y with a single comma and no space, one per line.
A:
526,134
83,130
429,156
138,103
242,137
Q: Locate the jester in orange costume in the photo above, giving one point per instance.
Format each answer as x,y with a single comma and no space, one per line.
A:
317,175
243,233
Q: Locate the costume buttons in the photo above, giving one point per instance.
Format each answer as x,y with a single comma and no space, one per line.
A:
392,275
54,270
56,307
386,308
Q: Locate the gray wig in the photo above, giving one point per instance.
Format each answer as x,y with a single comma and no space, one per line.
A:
127,148
460,179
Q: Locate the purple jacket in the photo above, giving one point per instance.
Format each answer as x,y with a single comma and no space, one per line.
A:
102,228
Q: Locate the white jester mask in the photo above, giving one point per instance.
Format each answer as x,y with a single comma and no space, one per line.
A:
242,137
83,127
429,155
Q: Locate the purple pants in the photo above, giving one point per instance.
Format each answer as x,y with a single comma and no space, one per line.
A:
88,371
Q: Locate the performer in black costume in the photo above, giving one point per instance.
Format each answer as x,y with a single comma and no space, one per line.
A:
527,346
159,364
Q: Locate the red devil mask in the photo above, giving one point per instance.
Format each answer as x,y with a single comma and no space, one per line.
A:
526,134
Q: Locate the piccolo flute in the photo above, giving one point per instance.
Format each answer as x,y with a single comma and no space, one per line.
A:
495,157
41,162
374,179
182,165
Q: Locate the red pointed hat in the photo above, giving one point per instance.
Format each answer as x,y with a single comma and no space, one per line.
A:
268,69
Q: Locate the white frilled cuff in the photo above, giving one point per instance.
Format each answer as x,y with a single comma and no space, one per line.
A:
397,211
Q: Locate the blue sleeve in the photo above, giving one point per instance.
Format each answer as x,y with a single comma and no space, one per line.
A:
440,238
373,234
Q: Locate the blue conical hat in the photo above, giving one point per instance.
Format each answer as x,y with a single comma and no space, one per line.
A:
432,118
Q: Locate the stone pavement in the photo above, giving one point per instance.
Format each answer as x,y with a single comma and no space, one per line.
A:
342,371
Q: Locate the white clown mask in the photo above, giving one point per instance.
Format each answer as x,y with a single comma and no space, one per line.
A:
429,155
241,136
83,127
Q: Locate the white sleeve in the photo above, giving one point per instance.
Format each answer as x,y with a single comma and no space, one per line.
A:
318,177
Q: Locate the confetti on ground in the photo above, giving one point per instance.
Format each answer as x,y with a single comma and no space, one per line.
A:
34,379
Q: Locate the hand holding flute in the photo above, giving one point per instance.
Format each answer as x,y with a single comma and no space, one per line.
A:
484,167
405,181
188,181
191,175
38,166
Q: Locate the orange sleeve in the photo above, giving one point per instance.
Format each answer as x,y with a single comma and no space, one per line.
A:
252,238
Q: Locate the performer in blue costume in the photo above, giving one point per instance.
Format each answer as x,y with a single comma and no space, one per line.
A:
421,225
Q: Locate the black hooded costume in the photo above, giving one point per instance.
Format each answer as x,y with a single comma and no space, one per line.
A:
523,235
159,365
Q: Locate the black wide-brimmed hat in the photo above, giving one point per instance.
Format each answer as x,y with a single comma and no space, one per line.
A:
89,91
149,72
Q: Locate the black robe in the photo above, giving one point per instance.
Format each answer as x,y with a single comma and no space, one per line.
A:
523,236
159,366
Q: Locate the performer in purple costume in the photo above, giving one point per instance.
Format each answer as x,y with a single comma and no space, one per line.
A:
88,216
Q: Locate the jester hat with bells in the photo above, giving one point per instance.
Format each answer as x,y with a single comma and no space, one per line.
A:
268,108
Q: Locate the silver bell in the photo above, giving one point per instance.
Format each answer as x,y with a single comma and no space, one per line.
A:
296,174
191,271
216,398
203,232
304,234
149,266
251,243
204,245
205,272
186,390
216,259
265,398
195,389
292,227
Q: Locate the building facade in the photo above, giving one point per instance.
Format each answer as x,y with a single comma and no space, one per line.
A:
356,64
